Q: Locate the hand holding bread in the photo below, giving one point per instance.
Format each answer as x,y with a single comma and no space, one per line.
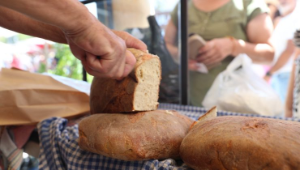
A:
136,92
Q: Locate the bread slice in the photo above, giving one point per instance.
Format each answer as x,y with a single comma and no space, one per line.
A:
135,136
212,113
196,42
137,92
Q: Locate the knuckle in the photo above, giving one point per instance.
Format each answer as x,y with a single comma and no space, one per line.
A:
119,74
120,49
114,76
104,70
125,34
110,76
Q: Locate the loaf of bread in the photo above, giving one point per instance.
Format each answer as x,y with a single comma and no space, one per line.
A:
233,142
137,92
136,136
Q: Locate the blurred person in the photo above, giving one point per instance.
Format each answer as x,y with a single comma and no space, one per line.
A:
102,51
273,10
292,96
229,27
293,93
281,67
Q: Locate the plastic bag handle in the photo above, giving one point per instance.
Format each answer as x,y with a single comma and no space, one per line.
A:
241,60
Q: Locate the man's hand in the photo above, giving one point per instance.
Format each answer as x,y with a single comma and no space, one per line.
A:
103,52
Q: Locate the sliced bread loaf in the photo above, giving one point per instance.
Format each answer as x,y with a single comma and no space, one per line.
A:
137,92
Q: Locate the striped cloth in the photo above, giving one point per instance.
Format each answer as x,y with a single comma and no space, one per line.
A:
59,147
297,38
12,157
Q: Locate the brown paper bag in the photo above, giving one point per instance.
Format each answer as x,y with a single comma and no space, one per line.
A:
28,98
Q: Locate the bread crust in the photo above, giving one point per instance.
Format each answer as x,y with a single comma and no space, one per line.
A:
233,142
113,96
137,136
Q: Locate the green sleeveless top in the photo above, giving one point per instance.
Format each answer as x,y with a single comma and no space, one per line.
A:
230,19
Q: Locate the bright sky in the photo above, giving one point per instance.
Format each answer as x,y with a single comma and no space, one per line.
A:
6,33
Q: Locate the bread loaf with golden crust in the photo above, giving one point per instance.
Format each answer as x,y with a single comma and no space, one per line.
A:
234,142
136,136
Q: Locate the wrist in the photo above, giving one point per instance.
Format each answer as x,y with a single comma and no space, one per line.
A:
78,22
233,45
269,74
240,45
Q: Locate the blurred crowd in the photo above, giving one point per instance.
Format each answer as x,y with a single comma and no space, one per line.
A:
31,54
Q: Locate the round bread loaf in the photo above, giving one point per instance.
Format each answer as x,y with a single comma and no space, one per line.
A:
233,142
136,136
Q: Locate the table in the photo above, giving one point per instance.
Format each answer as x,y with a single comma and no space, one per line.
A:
59,146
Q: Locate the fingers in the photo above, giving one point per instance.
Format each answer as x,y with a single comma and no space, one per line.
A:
130,61
193,65
212,53
99,67
206,52
209,45
89,70
130,41
210,57
207,55
114,60
77,52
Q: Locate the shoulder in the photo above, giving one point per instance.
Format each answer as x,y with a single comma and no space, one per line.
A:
255,8
258,3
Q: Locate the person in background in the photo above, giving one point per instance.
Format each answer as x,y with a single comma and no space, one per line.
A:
102,51
281,39
229,27
293,93
273,10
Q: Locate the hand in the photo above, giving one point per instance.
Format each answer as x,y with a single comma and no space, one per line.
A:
290,46
103,52
192,65
288,113
267,79
215,51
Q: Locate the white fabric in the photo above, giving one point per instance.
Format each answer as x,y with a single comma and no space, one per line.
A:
79,85
283,32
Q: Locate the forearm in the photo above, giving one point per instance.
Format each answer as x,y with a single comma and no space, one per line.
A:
68,15
289,97
18,22
173,50
259,53
170,40
282,60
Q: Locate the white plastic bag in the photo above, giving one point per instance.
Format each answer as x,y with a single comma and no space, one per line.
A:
240,89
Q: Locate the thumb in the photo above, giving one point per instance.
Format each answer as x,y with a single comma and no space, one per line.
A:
131,42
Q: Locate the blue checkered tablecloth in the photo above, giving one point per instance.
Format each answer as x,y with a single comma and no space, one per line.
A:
59,148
